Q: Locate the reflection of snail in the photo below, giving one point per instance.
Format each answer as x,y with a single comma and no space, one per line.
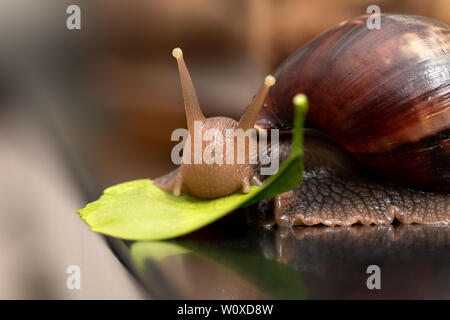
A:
383,96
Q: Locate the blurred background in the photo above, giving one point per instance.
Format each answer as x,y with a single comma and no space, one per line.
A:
81,110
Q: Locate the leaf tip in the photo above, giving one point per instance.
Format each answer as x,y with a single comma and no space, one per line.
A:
301,103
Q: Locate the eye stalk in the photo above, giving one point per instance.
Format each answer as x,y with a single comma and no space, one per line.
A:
193,110
213,180
248,119
191,105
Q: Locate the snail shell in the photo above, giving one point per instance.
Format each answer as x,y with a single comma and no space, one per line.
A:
384,95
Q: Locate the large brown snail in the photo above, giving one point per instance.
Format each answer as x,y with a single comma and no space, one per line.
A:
381,99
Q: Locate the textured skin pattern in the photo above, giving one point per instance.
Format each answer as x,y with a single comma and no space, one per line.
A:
336,191
330,199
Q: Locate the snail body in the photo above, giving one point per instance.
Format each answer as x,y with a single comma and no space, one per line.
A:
381,99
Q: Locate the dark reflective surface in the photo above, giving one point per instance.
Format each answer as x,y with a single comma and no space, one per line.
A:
231,261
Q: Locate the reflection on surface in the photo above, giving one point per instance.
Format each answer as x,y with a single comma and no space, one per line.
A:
414,260
190,270
220,262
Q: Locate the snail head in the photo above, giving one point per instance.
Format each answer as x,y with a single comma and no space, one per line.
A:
206,170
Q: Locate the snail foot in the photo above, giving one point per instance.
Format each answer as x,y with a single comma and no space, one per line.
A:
324,198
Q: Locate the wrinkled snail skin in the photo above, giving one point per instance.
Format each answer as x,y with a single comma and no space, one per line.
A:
337,190
384,95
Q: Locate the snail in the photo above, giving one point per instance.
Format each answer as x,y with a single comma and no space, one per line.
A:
377,147
205,179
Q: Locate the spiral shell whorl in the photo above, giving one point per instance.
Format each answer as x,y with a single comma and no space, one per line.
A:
384,95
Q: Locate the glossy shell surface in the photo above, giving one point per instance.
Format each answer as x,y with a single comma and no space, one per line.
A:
383,94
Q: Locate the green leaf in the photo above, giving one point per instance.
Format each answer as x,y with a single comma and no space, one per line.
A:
138,210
